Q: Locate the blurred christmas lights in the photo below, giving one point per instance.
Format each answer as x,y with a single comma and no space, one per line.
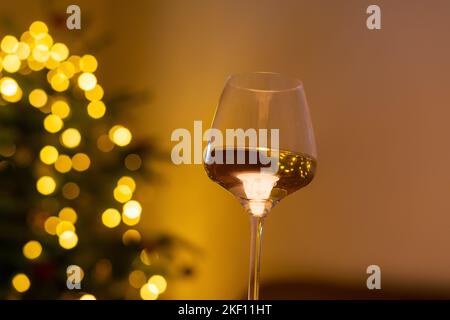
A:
111,218
35,50
21,282
32,249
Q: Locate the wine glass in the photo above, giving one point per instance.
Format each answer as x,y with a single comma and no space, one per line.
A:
256,108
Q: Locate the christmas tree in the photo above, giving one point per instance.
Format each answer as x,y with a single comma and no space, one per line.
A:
69,173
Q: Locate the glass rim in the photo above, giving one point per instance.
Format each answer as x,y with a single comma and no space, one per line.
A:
295,84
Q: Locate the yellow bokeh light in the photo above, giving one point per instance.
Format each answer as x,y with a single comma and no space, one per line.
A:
81,162
67,68
32,249
122,194
14,98
27,38
88,63
38,29
112,130
53,123
137,279
120,135
11,63
38,98
41,53
88,297
46,185
51,63
95,94
87,81
59,82
21,282
145,258
61,109
132,209
50,75
35,65
50,225
63,164
111,218
127,181
130,221
46,41
64,226
48,155
104,144
149,292
70,190
75,61
131,236
96,109
68,214
23,51
159,281
71,138
59,52
9,44
8,86
68,240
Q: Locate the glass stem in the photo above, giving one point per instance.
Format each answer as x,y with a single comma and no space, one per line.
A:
255,256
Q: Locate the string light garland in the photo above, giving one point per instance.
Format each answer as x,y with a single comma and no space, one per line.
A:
35,50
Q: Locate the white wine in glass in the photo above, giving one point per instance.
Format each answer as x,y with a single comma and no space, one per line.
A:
262,101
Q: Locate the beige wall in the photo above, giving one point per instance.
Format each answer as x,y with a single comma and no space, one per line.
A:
380,105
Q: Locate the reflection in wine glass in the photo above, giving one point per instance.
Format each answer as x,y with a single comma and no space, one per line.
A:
261,175
257,188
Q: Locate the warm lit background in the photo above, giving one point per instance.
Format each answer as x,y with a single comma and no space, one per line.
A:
379,102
